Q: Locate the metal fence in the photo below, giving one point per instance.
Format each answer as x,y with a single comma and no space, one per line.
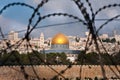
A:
89,21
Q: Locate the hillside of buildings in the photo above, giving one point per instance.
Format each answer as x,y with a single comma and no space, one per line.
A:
70,50
112,44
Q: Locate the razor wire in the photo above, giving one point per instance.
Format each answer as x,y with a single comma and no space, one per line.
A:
92,28
89,22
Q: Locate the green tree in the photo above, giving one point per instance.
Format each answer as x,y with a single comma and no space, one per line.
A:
113,40
24,59
116,58
81,57
106,40
12,58
63,58
88,59
51,58
57,58
91,58
35,58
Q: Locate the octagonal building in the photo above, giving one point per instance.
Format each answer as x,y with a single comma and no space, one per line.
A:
60,42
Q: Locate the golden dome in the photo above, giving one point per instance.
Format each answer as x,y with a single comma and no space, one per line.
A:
60,39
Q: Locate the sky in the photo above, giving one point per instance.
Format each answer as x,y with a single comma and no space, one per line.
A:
17,17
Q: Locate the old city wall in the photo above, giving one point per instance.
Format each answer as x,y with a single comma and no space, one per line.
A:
49,72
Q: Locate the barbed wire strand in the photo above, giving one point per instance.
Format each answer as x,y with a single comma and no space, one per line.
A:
106,52
55,14
99,10
59,24
91,9
33,15
30,60
11,53
108,21
92,31
87,19
17,4
106,7
45,62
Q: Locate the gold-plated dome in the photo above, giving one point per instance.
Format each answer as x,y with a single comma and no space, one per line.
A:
60,39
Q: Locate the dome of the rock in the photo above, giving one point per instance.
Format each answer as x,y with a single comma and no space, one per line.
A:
60,44
60,39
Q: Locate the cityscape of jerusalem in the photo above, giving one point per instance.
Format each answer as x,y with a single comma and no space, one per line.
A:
61,45
59,40
75,43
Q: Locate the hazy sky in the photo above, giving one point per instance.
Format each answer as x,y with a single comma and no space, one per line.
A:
16,18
